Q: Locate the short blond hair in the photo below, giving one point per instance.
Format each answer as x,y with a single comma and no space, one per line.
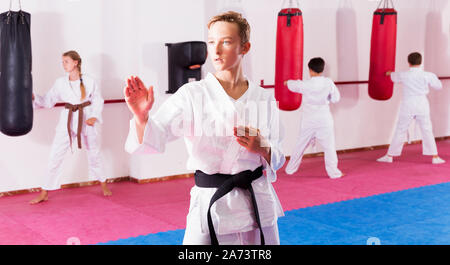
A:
238,19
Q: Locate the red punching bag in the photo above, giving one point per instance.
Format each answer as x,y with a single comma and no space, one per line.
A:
289,56
382,52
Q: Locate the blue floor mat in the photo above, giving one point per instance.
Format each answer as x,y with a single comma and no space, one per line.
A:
418,216
174,237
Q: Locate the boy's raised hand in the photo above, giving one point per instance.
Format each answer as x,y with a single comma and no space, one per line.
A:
138,98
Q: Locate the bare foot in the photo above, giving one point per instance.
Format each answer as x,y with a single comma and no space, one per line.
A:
41,198
106,191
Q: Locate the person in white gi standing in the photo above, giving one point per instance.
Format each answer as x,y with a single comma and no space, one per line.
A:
215,142
414,105
81,95
317,122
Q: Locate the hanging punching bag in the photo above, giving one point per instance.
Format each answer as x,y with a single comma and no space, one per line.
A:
382,52
289,56
16,109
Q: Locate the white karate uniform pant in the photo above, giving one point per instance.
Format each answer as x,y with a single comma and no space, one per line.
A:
60,146
403,123
325,137
195,236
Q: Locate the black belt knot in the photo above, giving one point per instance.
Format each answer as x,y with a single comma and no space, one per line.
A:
224,184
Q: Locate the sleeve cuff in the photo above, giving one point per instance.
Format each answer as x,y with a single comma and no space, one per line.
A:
395,77
294,85
99,118
277,160
153,140
38,102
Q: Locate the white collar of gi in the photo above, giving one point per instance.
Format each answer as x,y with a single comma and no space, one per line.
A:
219,92
416,68
67,75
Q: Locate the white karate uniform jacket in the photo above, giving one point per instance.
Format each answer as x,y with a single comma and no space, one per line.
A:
416,83
66,91
414,105
317,93
317,121
208,114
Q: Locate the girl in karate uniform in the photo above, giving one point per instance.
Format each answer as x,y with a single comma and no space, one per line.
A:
82,96
216,144
414,105
317,122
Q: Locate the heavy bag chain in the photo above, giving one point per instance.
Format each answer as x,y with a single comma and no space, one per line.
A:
385,4
291,4
289,15
20,12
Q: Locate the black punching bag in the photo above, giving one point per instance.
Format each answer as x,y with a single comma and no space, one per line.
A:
16,86
185,60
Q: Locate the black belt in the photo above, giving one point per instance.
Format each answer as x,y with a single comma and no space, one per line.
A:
225,183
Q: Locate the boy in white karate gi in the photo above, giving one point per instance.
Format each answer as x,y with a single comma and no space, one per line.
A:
82,93
216,146
317,122
414,105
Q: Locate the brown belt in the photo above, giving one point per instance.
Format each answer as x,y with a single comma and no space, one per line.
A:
73,108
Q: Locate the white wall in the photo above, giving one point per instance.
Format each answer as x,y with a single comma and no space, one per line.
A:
117,38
